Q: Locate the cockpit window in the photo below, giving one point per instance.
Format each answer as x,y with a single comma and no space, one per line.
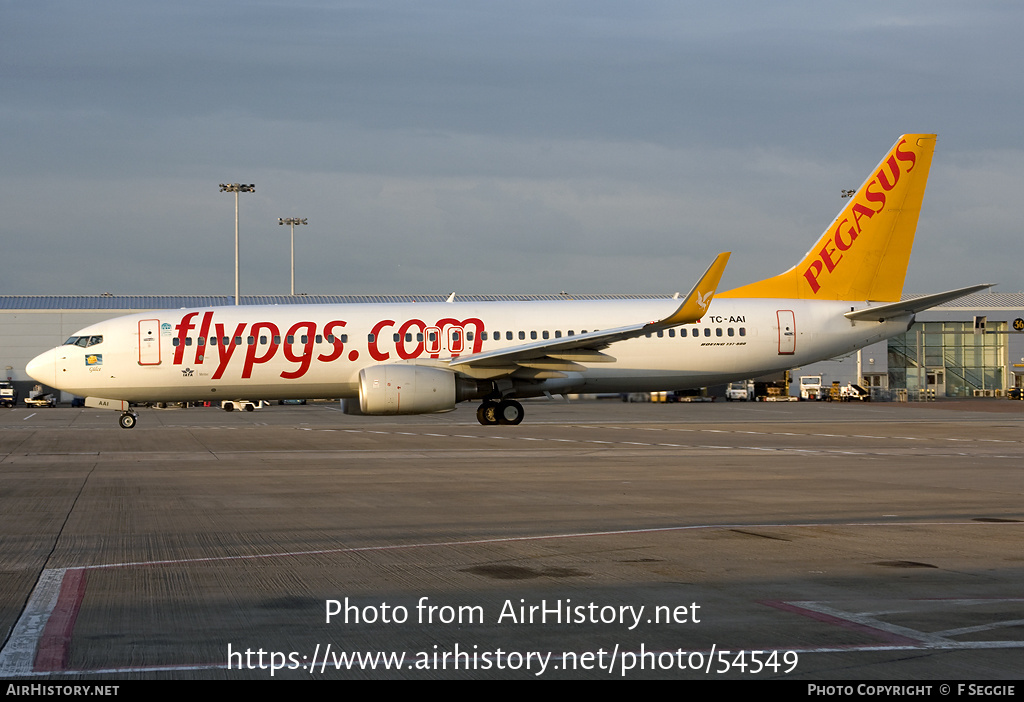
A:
84,341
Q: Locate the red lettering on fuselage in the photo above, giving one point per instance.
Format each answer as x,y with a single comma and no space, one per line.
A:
263,340
403,331
226,347
251,359
304,358
339,346
375,338
183,328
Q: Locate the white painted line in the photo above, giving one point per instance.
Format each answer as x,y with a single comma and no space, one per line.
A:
18,655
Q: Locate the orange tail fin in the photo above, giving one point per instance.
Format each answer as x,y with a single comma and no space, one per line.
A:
864,253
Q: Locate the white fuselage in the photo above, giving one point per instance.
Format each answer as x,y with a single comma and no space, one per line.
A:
317,351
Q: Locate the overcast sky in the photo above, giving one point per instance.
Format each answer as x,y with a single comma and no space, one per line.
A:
492,146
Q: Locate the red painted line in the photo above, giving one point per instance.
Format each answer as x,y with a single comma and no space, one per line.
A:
886,636
55,641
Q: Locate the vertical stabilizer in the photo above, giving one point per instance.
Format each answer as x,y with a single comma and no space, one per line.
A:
864,253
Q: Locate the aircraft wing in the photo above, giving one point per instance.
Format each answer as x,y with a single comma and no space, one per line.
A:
567,353
912,306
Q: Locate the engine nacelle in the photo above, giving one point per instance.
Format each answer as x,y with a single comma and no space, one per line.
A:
408,389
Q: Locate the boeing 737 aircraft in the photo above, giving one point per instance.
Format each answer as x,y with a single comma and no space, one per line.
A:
402,358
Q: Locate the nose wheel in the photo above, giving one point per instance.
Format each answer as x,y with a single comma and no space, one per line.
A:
504,412
128,420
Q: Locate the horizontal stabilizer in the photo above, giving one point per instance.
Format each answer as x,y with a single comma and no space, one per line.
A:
917,304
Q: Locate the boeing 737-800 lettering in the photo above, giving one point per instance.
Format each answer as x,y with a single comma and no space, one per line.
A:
401,358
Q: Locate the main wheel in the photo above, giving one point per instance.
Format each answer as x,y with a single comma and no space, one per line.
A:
510,412
127,421
487,413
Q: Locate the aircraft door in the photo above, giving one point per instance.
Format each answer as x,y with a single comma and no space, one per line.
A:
455,339
432,340
149,342
787,332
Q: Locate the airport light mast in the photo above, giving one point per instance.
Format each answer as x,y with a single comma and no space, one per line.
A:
237,188
292,221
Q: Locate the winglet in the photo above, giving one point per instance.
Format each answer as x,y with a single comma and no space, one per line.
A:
696,302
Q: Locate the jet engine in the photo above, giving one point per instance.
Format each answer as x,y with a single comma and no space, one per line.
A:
411,389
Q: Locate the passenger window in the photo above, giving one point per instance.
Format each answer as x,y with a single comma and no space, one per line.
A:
732,332
188,341
558,334
718,331
533,335
522,335
743,331
508,336
707,331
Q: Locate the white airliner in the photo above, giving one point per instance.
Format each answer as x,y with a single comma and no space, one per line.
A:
407,358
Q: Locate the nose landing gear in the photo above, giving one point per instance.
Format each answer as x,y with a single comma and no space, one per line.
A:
128,420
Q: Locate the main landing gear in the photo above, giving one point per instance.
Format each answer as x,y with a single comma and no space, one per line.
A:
128,420
503,412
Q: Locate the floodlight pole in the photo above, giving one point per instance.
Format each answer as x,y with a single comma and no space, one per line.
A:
236,188
292,221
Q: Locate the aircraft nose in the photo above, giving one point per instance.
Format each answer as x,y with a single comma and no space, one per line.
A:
43,368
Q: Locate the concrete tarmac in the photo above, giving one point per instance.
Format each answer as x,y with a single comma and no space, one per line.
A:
803,541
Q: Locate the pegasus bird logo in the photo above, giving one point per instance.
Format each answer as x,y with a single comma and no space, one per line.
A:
704,300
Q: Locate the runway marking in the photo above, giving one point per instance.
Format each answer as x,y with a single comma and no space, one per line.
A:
778,449
871,622
41,638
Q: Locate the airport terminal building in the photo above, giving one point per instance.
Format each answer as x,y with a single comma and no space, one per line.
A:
971,347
